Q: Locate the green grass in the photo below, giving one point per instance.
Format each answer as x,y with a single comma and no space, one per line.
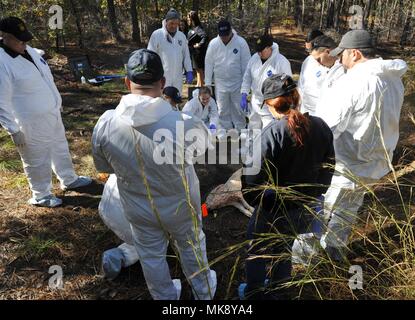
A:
36,246
13,165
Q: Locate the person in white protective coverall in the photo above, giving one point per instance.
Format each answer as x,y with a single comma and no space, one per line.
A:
226,60
171,45
204,107
112,213
312,76
363,112
266,62
141,143
30,111
307,245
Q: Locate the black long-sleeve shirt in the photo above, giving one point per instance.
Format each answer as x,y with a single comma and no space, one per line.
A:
306,170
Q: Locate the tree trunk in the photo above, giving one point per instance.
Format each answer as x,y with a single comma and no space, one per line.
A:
113,20
77,22
268,18
391,19
331,13
156,4
134,21
302,16
297,14
322,13
366,16
195,5
407,28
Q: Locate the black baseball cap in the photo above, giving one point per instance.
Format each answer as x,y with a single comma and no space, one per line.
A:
263,42
144,67
276,86
224,28
323,42
313,34
173,93
16,27
354,39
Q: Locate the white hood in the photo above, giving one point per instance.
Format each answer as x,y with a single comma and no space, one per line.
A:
138,110
391,68
275,49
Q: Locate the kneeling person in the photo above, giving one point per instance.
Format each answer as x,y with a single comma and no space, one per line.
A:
161,201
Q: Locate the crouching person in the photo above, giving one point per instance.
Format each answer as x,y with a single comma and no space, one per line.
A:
204,107
292,174
160,197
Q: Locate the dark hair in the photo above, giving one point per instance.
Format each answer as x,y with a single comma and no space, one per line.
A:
368,53
186,26
194,17
298,124
313,34
205,90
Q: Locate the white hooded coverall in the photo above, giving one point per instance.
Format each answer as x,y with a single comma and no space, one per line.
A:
255,75
174,54
306,245
126,144
226,64
312,76
363,110
30,103
208,114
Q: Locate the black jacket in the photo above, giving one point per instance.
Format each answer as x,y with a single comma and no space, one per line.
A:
306,170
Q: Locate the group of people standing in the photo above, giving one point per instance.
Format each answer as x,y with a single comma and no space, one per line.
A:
322,141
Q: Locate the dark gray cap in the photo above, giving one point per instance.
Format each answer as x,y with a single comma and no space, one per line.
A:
277,85
354,39
144,67
172,14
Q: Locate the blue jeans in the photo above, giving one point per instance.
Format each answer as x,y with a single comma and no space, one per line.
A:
287,223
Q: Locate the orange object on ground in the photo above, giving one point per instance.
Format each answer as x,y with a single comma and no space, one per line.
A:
204,210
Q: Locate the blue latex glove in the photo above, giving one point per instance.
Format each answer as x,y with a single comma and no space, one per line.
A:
189,77
244,102
212,128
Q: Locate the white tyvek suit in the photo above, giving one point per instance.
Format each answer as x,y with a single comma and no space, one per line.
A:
174,53
111,211
30,102
365,108
306,245
226,64
127,144
312,76
255,75
208,114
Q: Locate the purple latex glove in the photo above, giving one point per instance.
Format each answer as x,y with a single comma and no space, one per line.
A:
189,77
212,128
244,102
317,225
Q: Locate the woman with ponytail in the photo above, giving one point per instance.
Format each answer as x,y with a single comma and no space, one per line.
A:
294,168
